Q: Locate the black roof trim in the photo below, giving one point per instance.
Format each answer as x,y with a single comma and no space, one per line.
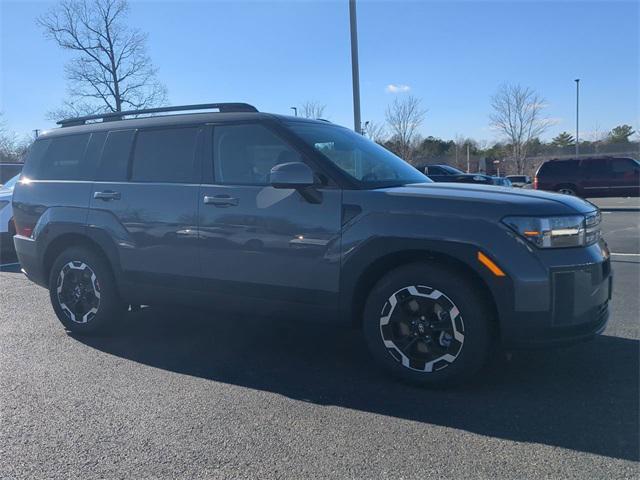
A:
112,116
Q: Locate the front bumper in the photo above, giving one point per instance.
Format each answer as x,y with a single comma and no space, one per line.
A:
574,301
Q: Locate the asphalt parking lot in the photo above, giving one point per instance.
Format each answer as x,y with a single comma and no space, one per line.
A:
183,394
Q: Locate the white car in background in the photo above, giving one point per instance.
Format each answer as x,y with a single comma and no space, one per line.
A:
7,228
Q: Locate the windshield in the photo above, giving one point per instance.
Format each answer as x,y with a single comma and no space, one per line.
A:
363,160
10,183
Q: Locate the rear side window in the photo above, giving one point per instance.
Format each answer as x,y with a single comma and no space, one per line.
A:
59,158
561,168
596,168
166,155
115,156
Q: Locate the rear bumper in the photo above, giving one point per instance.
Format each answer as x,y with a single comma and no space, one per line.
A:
30,260
577,305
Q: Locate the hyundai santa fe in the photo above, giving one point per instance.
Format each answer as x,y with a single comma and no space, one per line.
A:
275,215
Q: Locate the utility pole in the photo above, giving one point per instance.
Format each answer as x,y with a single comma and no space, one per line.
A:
355,72
295,110
468,164
577,80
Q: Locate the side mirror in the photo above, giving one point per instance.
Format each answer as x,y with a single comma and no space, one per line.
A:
296,175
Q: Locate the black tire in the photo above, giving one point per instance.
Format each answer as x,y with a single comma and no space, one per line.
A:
96,289
469,335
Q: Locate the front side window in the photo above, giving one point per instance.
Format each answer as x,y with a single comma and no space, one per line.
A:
623,166
245,154
365,161
166,155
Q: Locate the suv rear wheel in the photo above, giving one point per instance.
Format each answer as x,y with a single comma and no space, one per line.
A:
427,324
83,292
567,190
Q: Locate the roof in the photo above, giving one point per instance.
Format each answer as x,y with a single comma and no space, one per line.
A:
172,120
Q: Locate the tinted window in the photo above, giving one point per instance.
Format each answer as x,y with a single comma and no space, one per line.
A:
435,171
245,154
166,155
623,165
59,158
115,156
596,168
565,167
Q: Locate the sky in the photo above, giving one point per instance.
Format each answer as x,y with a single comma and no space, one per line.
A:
452,55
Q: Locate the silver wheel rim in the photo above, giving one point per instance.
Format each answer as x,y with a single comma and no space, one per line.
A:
423,348
78,292
566,191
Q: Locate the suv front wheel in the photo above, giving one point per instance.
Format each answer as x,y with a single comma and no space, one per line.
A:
83,292
427,324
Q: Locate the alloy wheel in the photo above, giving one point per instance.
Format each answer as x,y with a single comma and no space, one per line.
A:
78,292
422,328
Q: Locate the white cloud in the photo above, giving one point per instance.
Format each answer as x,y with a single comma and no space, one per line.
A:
397,88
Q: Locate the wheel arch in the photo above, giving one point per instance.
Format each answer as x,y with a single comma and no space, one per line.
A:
383,264
66,240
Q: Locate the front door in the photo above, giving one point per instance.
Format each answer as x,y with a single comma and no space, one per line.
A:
625,178
262,243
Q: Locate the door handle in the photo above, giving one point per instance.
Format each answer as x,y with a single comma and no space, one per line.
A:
221,201
107,195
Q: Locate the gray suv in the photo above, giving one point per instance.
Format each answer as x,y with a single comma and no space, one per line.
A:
277,215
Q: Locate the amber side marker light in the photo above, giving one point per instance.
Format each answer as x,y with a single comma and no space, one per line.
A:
487,262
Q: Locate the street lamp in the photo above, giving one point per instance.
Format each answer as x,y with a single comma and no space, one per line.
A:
295,110
355,74
577,80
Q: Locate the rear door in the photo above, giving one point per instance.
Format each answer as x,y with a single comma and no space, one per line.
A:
262,243
146,202
625,177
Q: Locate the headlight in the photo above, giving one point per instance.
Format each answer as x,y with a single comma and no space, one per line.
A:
558,232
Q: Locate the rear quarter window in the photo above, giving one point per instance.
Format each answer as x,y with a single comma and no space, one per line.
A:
59,158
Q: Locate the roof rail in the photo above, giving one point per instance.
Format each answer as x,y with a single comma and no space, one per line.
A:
112,116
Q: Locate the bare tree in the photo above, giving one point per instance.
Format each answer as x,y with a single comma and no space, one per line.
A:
375,131
404,117
517,114
111,70
312,109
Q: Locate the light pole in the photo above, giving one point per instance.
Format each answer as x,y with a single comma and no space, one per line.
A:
355,74
295,110
577,80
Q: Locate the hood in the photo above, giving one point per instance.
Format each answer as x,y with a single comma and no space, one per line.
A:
509,201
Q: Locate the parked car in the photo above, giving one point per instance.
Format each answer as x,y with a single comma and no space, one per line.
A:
519,181
275,215
7,228
8,171
447,173
590,177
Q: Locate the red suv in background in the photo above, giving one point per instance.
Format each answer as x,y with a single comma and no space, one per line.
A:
590,177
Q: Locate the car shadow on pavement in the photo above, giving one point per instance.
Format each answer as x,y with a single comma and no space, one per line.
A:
583,398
